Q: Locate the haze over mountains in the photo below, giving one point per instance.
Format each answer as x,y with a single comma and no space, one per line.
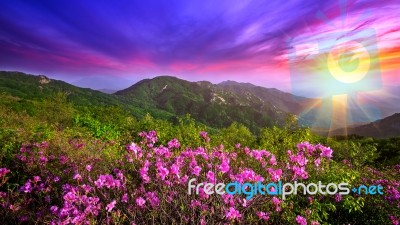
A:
106,84
215,105
387,127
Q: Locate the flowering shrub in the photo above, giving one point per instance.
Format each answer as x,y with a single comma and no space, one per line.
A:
147,183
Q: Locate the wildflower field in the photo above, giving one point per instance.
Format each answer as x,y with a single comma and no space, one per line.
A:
62,164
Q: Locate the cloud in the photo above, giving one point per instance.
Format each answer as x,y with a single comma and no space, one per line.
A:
189,37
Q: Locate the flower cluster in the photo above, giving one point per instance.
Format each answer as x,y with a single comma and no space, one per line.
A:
148,184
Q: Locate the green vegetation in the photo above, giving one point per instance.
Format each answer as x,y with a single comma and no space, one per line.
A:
89,127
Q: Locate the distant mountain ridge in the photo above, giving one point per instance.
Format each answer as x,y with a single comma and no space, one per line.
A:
383,128
279,99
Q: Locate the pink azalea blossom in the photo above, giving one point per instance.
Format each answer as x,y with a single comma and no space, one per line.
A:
301,220
196,170
124,198
88,168
224,167
110,206
162,172
211,176
326,152
3,172
140,202
232,214
77,177
263,216
153,199
317,162
174,143
275,174
272,160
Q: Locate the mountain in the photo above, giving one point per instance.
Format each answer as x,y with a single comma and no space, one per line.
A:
384,128
29,87
217,105
278,99
386,100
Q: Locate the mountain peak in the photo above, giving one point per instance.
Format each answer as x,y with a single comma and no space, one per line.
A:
235,83
165,77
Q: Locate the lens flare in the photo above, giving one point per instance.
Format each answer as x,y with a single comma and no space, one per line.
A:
348,62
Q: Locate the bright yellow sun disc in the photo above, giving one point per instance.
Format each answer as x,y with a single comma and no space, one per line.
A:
351,51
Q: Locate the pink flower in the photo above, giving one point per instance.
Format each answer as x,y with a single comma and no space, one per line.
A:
299,172
224,167
175,170
88,168
53,209
140,202
233,214
196,170
110,206
36,179
203,135
325,152
107,181
153,199
70,196
143,172
162,172
149,138
246,202
277,203
124,198
3,172
394,220
300,159
272,160
135,150
315,223
263,215
162,151
301,220
306,146
77,177
211,176
275,174
195,203
338,198
27,188
317,162
174,143
86,188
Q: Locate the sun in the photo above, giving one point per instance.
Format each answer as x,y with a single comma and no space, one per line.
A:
348,62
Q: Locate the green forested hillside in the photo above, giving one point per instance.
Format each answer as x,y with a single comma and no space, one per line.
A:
71,155
28,87
210,104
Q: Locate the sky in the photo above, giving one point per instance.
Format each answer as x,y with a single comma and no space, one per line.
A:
275,43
